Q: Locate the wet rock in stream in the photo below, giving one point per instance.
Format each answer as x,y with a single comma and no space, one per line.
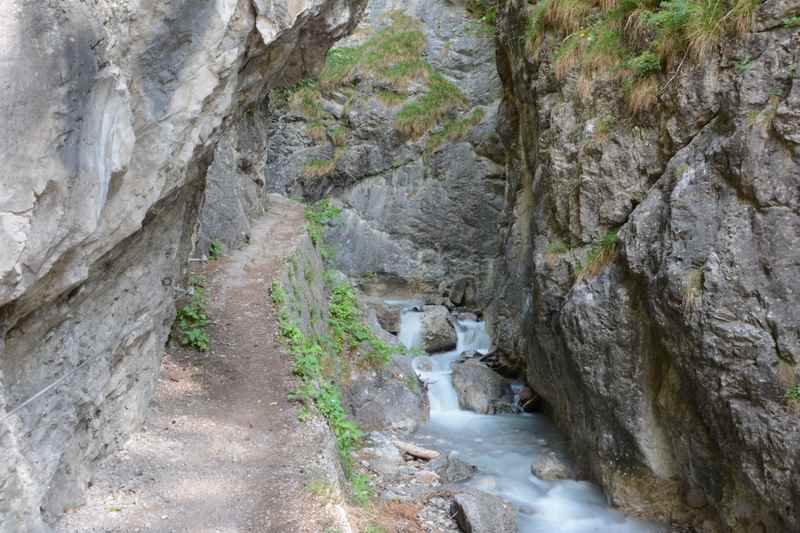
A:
438,334
551,466
480,388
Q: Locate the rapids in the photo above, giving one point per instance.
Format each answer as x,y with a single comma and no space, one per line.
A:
504,446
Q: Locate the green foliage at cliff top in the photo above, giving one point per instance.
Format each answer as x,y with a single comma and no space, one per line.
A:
633,40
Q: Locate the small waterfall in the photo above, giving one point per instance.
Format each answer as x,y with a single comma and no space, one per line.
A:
411,329
436,370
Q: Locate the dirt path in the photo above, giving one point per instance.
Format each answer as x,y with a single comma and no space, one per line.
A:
222,450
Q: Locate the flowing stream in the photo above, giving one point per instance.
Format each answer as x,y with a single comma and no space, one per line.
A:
504,446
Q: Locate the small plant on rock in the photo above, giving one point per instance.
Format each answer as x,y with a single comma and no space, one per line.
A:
192,319
215,250
601,254
793,394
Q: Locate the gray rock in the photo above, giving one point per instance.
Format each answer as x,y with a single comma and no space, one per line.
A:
451,469
550,466
480,388
390,397
438,333
480,512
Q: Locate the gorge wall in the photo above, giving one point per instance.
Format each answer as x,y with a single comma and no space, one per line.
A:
649,270
421,196
114,114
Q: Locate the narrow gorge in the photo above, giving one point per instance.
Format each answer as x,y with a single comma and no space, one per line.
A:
367,266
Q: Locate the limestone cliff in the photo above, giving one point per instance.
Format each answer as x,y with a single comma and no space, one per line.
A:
112,115
650,266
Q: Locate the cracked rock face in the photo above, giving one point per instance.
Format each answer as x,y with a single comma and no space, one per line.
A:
111,116
669,367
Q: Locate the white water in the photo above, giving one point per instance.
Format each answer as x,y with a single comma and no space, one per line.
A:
504,446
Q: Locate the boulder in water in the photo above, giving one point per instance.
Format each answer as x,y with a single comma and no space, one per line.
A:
550,467
481,512
480,388
453,470
438,333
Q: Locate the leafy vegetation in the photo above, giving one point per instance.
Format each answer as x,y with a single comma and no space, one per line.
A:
317,215
192,318
308,356
634,41
350,332
361,490
215,250
793,394
792,22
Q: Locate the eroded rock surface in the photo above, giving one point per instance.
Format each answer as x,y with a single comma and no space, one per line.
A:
112,113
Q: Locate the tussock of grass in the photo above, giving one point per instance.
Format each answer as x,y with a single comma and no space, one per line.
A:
338,136
391,59
315,130
567,15
603,252
319,168
305,99
391,98
643,94
633,40
418,117
392,56
453,130
567,55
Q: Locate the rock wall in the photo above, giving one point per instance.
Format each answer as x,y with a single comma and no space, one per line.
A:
669,368
417,217
113,114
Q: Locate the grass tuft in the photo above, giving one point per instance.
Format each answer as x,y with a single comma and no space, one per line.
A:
420,116
603,252
643,94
